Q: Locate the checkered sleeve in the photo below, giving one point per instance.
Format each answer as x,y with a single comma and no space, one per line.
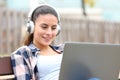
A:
20,66
59,48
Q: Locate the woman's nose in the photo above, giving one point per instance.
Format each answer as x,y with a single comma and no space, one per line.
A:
49,31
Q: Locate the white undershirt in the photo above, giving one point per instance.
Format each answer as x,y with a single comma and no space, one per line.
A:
49,66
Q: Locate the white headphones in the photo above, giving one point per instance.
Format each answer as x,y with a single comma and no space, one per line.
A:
30,23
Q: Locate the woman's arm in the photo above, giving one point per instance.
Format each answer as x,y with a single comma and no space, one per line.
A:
20,67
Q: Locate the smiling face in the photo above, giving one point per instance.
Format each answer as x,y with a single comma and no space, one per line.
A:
45,30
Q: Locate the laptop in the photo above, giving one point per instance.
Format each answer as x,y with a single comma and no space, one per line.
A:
90,61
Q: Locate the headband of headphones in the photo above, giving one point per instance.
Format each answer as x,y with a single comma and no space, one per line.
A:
35,7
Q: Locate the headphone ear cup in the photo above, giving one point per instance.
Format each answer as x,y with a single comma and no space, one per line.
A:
58,29
30,27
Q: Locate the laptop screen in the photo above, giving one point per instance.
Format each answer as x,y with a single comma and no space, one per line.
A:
90,61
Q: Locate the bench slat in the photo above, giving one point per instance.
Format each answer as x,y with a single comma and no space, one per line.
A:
5,66
4,77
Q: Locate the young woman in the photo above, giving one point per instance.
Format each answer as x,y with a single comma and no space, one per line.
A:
38,59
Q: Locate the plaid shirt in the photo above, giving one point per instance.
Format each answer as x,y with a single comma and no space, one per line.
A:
24,61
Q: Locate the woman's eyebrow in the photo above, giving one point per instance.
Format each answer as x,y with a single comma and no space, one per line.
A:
44,24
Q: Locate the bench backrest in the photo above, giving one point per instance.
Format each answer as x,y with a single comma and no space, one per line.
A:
5,66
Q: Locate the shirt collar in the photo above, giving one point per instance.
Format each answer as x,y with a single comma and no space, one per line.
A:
33,48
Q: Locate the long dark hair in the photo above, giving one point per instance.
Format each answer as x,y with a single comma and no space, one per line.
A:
41,10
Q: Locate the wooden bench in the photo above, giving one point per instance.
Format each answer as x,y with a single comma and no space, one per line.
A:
6,71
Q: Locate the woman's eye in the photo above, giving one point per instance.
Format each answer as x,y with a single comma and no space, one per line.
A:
53,28
43,26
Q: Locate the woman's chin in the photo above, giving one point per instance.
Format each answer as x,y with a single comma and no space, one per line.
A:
47,43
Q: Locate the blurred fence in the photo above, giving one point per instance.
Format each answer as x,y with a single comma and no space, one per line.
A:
11,23
88,30
73,29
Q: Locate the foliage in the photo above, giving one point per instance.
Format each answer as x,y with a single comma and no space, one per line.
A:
90,2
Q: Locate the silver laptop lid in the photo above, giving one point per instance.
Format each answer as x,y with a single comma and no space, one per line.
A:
90,61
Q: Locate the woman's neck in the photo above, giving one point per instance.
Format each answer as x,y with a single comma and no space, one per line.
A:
45,50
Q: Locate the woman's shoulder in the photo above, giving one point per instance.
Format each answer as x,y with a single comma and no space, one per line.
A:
59,47
20,50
